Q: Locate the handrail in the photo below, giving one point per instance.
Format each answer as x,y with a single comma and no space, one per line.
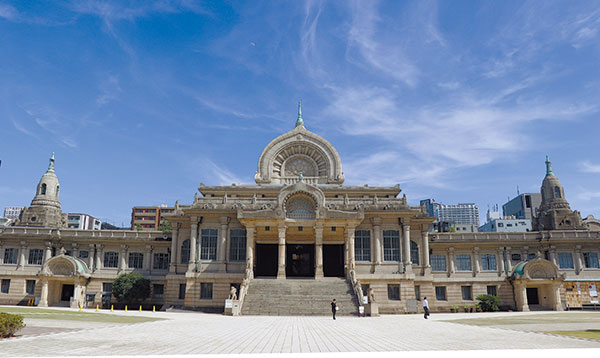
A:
356,287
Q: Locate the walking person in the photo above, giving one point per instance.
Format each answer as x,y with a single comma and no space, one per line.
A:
334,307
425,307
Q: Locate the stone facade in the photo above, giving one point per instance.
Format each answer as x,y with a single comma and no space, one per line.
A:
300,221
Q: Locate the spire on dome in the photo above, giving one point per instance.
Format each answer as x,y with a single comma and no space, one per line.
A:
51,165
548,167
299,121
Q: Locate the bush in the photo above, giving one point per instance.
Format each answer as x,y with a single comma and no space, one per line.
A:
10,324
488,303
131,288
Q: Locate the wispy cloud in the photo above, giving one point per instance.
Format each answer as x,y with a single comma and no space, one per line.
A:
110,89
589,167
53,123
8,12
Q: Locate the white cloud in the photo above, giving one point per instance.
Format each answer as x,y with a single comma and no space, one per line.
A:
8,12
588,167
110,89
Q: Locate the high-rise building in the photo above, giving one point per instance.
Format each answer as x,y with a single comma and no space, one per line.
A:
523,206
12,212
459,214
148,218
83,222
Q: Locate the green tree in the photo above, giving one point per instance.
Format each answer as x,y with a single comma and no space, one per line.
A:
164,226
488,303
138,227
131,288
10,324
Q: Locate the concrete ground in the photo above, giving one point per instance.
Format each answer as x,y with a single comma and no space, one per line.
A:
198,333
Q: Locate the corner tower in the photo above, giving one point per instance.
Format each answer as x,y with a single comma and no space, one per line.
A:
555,212
45,207
296,152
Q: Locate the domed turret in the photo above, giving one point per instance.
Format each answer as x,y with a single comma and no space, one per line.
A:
555,212
45,207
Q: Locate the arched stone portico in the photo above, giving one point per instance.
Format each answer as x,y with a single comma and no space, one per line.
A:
63,277
537,285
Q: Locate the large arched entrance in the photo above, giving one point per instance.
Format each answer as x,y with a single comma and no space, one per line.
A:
537,285
63,281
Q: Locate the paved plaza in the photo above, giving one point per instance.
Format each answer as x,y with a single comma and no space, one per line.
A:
198,333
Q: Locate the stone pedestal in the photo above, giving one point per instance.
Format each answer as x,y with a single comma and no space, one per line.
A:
372,309
235,308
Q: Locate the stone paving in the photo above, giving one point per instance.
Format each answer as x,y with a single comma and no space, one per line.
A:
197,333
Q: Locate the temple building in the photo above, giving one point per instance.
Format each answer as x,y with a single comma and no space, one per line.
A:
297,238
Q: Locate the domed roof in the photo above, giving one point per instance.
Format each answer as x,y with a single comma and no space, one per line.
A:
48,188
552,190
299,153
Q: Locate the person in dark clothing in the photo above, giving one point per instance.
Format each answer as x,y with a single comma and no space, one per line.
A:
334,307
425,307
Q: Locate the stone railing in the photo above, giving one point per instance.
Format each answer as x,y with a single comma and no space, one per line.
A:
356,287
515,236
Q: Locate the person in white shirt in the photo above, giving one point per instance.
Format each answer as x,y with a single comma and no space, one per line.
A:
425,307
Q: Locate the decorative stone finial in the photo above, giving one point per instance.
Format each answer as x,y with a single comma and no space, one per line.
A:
300,176
548,167
299,121
51,165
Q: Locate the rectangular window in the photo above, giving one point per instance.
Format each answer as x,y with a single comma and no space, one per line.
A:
440,293
237,245
206,290
158,290
107,287
10,256
136,260
438,263
362,245
391,245
515,258
463,263
111,259
30,287
5,286
488,262
565,260
492,290
182,291
394,292
83,254
590,259
208,244
161,261
35,256
467,293
418,293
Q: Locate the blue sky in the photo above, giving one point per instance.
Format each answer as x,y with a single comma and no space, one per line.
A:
141,101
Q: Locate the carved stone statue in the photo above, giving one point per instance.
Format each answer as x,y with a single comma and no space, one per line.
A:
232,293
371,295
62,250
196,198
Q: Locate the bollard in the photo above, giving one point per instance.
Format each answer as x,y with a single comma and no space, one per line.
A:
111,308
96,308
80,308
153,309
140,308
125,308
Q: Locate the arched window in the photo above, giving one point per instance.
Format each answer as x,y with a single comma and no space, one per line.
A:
57,188
557,192
414,252
300,207
185,252
43,189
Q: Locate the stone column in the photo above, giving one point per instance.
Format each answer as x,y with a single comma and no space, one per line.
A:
221,247
553,255
48,251
376,241
99,256
476,261
2,254
44,294
351,252
21,263
500,261
426,263
407,260
250,250
451,266
174,246
193,245
508,259
524,253
148,259
91,256
557,306
122,256
281,263
578,260
318,251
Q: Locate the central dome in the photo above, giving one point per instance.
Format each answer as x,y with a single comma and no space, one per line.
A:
297,152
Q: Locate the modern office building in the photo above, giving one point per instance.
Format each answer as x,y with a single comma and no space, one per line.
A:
459,214
83,222
523,206
12,212
295,239
148,218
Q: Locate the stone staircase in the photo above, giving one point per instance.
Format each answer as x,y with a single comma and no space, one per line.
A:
299,297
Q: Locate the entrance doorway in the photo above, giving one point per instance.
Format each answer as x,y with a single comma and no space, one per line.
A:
333,260
266,260
532,296
300,260
67,292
